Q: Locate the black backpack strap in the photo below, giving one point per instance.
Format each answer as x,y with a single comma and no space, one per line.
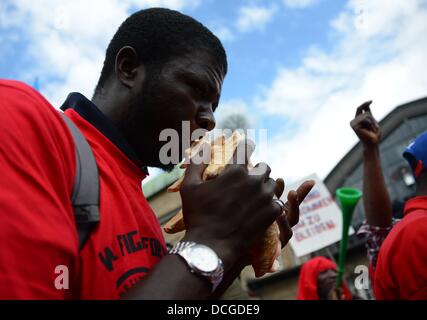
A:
85,197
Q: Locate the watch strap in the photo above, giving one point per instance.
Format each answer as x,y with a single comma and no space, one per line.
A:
180,246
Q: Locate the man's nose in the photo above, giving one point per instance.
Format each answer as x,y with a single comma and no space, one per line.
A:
206,121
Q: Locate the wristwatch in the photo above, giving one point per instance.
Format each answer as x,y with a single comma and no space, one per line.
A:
201,260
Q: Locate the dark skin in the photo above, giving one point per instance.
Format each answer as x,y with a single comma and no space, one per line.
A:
326,289
376,199
422,185
217,212
136,101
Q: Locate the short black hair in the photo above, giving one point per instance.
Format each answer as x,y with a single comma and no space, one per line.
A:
158,35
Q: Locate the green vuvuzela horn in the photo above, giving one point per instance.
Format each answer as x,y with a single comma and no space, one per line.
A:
347,198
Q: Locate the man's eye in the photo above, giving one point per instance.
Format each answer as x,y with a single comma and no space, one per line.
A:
201,93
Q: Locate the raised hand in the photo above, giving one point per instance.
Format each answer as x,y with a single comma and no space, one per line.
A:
365,126
290,216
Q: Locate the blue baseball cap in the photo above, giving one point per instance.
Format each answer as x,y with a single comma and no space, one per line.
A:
416,154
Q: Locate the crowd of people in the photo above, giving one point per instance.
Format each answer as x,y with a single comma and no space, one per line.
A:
398,267
162,68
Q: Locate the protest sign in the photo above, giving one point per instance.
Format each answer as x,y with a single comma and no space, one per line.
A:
320,223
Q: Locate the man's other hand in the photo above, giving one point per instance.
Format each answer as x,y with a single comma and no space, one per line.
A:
230,212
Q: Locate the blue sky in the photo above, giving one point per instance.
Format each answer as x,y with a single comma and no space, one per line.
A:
298,68
255,54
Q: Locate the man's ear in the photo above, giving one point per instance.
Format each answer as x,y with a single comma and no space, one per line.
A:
126,66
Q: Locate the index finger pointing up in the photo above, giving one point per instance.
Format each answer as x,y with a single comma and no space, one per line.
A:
363,107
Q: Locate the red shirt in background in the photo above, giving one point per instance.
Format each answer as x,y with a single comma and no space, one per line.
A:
401,271
37,228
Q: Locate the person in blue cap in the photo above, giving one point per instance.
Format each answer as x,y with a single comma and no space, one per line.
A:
416,155
401,271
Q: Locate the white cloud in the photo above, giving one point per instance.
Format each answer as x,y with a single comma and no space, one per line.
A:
172,4
68,39
232,107
378,54
224,34
298,4
254,17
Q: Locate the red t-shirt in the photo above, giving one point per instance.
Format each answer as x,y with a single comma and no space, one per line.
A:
401,271
37,227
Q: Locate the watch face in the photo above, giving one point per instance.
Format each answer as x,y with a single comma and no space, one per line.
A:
203,258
